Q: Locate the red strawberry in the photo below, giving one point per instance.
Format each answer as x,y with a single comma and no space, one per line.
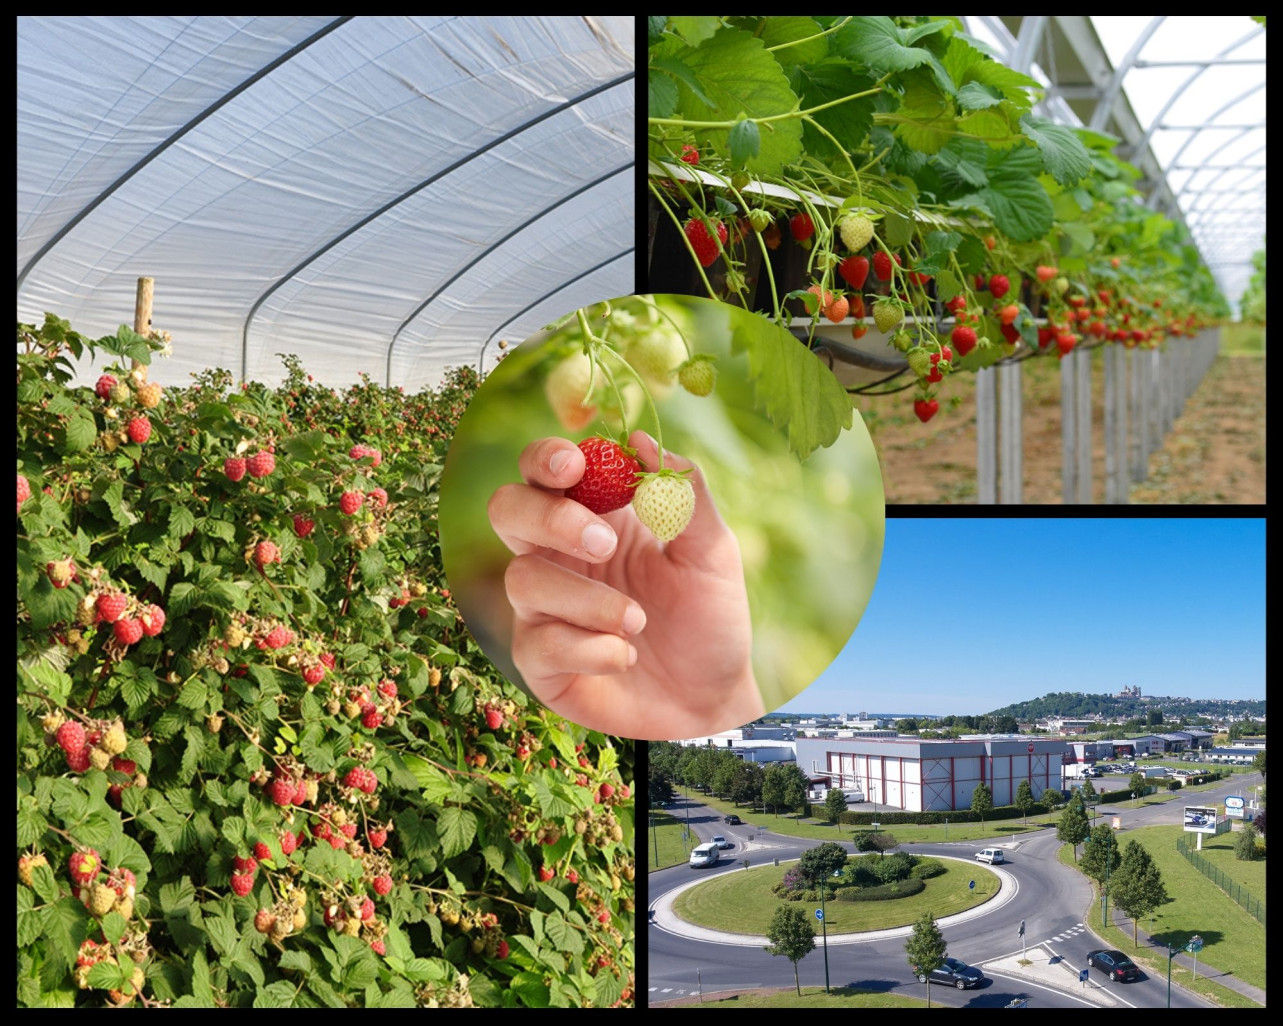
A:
153,620
999,285
882,265
266,552
381,884
128,632
1045,335
234,468
610,476
1010,332
494,718
963,339
1009,313
945,354
262,852
1045,273
958,303
104,386
701,242
139,430
801,226
990,242
242,883
350,502
302,526
1065,341
378,496
281,791
855,269
70,737
690,155
261,464
371,718
925,409
84,866
110,606
378,838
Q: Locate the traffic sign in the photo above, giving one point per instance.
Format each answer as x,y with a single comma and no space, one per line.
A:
819,914
1195,944
972,885
1031,748
1022,928
1082,975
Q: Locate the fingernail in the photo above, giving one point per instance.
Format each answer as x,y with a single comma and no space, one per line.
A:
632,655
634,620
599,540
559,460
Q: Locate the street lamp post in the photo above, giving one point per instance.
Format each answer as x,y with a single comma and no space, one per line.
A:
656,838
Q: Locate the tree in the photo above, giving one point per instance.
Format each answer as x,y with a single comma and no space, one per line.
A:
746,784
981,801
724,775
819,864
773,786
925,949
1245,846
1154,718
834,804
1025,799
1137,888
791,935
907,726
1137,783
1258,764
661,788
1051,798
1259,822
794,790
879,842
1101,856
1072,828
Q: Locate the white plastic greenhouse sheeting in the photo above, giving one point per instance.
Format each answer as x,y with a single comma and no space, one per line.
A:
340,188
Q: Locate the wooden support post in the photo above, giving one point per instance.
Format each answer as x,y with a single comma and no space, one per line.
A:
142,309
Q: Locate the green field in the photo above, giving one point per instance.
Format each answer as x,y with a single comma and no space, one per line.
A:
742,902
812,997
1219,851
1243,339
667,836
1233,940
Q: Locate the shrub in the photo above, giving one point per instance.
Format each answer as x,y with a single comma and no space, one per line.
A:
1173,785
893,867
926,868
293,789
884,892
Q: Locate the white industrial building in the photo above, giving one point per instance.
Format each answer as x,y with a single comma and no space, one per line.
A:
917,776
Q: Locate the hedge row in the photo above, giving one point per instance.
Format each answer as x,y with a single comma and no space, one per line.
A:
884,892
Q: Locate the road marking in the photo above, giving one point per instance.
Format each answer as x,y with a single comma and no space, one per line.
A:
667,990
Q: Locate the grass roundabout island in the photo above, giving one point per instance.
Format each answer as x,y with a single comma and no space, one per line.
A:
742,901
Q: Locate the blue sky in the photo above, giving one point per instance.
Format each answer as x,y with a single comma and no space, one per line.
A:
971,615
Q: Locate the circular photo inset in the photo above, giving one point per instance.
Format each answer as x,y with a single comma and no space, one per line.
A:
661,516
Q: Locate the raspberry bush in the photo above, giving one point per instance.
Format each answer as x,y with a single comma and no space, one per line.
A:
260,761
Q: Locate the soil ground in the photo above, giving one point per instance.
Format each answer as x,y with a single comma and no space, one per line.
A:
1215,452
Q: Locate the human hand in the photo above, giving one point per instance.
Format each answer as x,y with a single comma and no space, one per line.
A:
613,629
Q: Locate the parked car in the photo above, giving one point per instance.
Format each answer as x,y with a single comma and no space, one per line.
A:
722,842
954,974
732,819
704,855
990,855
1113,964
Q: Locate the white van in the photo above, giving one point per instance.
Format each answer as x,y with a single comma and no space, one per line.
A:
990,855
705,855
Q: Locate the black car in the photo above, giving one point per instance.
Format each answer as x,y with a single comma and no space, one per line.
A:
954,974
732,819
1113,964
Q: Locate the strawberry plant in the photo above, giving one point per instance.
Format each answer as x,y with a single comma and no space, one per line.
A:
257,757
896,141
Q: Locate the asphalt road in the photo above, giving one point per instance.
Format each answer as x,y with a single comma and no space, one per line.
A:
1052,900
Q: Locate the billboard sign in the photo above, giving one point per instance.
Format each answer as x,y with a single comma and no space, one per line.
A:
1234,806
1200,819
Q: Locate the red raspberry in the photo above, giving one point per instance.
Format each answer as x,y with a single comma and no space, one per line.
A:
234,468
387,688
264,920
337,842
378,947
333,914
288,842
123,882
623,792
78,762
104,386
313,675
382,884
139,430
604,917
246,864
129,632
546,873
110,606
262,852
328,659
70,737
302,526
153,620
360,452
300,792
494,718
281,791
606,790
266,552
572,876
125,766
610,476
378,496
114,792
24,490
84,866
371,718
583,761
278,637
367,909
321,831
378,838
261,464
350,502
581,780
242,883
362,779
502,951
348,830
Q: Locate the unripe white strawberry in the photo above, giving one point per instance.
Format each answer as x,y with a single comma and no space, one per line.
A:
856,231
655,355
665,502
566,386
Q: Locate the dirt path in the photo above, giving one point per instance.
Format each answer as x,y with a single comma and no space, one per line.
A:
1215,452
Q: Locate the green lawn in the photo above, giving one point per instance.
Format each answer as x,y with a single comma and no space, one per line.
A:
742,902
812,997
1233,940
1219,851
667,834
